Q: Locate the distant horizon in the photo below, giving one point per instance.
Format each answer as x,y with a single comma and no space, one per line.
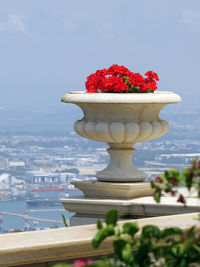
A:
57,106
184,123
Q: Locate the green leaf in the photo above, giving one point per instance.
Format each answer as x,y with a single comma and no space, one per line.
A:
150,231
99,224
153,184
130,228
127,253
141,255
175,173
171,231
189,181
157,195
191,232
196,248
103,234
64,220
183,263
123,250
112,217
198,189
167,174
184,173
175,251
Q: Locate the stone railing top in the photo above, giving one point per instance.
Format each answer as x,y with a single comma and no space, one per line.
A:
157,97
18,249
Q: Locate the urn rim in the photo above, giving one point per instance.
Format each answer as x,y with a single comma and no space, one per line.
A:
120,98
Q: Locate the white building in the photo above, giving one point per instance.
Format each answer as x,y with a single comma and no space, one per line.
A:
7,179
41,177
67,177
17,164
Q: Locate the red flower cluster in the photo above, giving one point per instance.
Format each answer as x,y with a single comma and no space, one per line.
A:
118,79
82,262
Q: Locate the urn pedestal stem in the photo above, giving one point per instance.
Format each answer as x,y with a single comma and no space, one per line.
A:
120,168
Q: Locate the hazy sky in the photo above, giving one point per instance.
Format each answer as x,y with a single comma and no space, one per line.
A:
48,47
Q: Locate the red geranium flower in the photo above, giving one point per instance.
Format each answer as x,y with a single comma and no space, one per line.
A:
152,75
181,199
113,84
158,180
198,164
120,71
119,79
173,181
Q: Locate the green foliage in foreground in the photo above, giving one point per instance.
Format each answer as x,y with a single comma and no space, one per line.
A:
173,178
153,247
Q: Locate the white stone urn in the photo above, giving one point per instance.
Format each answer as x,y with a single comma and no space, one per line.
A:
121,120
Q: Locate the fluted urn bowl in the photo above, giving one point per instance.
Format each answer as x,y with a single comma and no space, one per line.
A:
121,120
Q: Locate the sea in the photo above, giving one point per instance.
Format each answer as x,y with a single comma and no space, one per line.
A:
33,216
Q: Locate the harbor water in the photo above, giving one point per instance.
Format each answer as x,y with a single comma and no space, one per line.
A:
17,215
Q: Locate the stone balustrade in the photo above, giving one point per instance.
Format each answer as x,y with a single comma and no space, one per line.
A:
44,248
88,210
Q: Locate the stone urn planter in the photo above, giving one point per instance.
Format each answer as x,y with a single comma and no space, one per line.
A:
121,120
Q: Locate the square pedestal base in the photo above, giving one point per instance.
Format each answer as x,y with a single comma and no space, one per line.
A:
108,190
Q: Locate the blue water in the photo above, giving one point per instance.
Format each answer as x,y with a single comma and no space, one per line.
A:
20,207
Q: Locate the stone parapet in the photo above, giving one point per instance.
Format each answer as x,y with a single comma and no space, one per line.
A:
44,248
